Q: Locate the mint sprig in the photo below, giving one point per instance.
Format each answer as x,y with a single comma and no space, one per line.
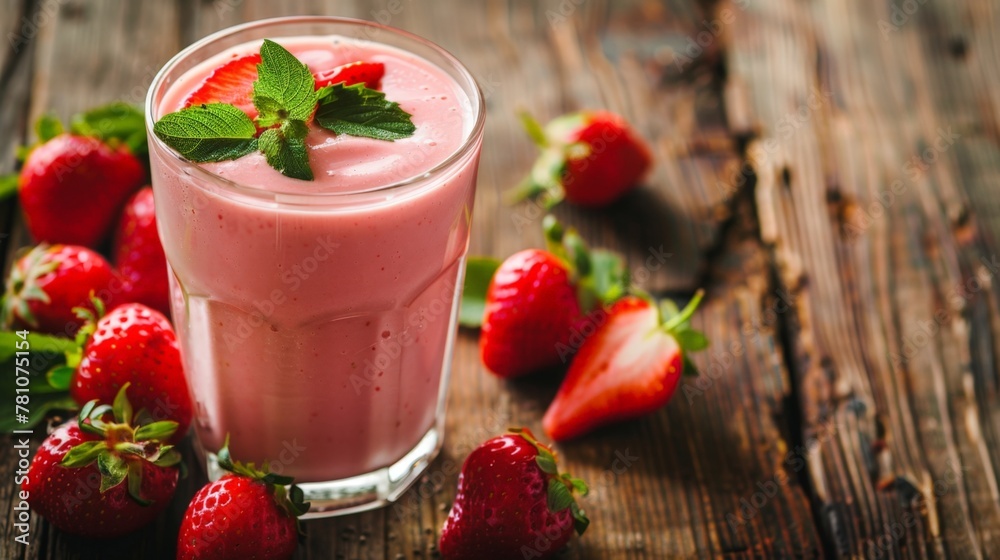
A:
285,97
212,132
285,88
359,111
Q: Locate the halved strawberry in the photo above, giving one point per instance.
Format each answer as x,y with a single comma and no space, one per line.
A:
628,368
230,83
368,73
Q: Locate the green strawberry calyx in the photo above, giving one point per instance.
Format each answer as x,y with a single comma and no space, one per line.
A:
561,486
599,275
677,323
126,441
545,180
290,499
22,286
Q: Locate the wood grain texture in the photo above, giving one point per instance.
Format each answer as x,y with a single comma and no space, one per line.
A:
848,403
870,186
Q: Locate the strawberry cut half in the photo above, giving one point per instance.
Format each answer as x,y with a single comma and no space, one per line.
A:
629,368
230,83
367,73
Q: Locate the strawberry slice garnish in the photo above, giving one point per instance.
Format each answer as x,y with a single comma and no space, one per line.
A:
230,83
367,73
233,81
628,368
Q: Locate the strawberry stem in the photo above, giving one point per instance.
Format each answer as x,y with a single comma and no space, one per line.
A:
677,320
534,129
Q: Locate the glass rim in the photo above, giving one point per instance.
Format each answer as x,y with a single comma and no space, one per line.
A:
469,141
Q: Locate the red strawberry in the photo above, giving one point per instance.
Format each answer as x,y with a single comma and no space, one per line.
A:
230,83
48,282
134,483
589,158
512,503
628,368
245,514
139,254
73,187
135,344
537,299
368,73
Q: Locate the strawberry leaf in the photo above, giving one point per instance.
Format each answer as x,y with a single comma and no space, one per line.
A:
134,474
285,88
47,127
211,132
9,185
113,470
60,377
161,430
688,367
114,122
580,520
691,340
546,462
83,454
122,408
360,111
559,496
479,272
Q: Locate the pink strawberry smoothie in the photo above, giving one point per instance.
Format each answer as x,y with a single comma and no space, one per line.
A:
316,317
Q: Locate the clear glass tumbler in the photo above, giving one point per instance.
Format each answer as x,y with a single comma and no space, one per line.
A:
317,329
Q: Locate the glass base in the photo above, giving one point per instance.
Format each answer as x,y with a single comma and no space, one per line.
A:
366,491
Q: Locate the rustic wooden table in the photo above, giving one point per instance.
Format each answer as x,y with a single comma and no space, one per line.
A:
828,170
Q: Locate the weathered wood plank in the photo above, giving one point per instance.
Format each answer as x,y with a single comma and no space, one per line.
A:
877,247
716,473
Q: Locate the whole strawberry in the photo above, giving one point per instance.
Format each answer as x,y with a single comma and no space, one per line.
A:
139,254
104,478
245,514
72,188
537,299
48,282
512,503
628,368
136,344
590,158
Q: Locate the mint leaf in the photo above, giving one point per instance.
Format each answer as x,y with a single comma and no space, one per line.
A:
285,88
359,111
212,132
478,274
286,151
115,121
